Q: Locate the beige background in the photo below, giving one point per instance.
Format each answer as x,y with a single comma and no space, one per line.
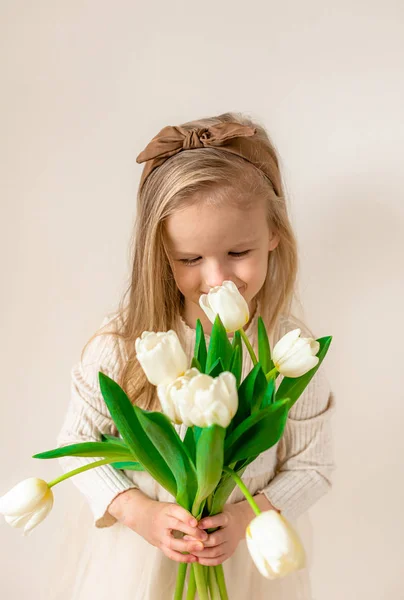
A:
84,86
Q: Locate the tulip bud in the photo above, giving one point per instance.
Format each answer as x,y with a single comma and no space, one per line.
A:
294,356
226,301
27,504
161,356
274,545
201,400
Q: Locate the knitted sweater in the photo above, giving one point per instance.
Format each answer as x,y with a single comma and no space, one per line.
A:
293,474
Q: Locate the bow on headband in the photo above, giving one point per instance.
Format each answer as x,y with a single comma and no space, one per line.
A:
232,137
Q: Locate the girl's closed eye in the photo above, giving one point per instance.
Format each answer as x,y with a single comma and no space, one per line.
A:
193,261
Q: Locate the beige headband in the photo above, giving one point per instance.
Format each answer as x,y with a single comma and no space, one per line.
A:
231,137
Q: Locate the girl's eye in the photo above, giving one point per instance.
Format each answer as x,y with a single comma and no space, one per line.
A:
192,261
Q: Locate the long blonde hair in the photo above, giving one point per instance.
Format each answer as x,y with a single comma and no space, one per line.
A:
152,301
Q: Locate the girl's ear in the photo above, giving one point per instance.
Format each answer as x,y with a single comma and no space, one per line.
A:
273,240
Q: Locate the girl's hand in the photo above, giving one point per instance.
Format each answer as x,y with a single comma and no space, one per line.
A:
157,521
221,544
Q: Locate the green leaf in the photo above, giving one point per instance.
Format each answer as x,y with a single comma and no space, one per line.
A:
99,449
219,346
189,441
128,466
237,340
235,364
293,387
209,462
113,438
224,488
127,422
200,351
250,395
166,440
216,368
269,396
264,349
197,433
196,364
257,433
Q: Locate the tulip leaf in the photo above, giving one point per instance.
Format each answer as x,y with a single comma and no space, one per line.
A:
235,364
223,490
219,346
100,449
127,422
189,441
128,466
167,441
269,395
113,438
197,433
200,351
256,434
236,340
216,368
293,387
264,349
250,395
196,364
209,462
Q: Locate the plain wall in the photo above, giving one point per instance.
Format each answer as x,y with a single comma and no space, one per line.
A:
84,87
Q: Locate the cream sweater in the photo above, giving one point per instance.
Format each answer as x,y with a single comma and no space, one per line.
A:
293,475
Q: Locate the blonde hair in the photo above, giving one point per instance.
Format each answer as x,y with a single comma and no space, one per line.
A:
152,301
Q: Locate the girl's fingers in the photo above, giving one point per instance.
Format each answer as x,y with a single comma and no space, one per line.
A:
173,523
183,515
220,520
181,545
177,556
212,562
210,552
215,539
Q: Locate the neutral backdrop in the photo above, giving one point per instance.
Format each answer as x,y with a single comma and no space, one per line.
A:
84,86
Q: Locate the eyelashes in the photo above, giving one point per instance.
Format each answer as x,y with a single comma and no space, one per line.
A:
189,262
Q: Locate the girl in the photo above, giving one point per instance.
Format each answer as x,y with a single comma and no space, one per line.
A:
211,208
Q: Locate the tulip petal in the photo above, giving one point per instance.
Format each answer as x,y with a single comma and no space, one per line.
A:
38,516
23,497
284,344
204,304
276,547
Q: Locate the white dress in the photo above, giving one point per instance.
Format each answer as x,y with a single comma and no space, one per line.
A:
114,561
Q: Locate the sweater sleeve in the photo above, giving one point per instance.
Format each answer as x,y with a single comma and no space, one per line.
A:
87,418
305,451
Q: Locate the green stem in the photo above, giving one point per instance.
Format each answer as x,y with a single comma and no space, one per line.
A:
221,582
213,586
191,585
200,581
93,465
271,374
181,574
244,489
249,347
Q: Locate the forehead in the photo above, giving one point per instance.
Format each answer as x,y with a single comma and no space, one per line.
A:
201,226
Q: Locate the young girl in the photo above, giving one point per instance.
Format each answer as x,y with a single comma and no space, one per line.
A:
211,208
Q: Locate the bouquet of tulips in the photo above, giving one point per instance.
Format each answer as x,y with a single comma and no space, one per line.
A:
229,424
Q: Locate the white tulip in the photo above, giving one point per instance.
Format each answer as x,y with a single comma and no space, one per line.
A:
161,356
294,356
201,400
274,545
27,504
226,301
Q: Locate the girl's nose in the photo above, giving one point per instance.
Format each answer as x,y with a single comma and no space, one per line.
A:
215,274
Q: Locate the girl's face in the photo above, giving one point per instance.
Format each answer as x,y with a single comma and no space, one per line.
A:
208,245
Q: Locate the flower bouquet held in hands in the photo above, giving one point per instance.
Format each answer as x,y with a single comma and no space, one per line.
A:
229,424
